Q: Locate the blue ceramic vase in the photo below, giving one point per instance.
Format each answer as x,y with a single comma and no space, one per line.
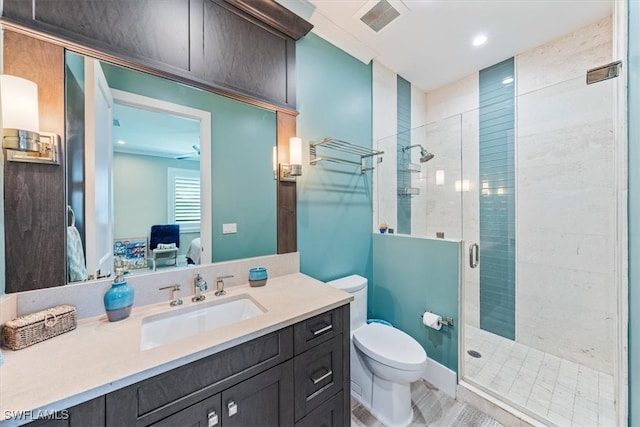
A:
118,300
257,276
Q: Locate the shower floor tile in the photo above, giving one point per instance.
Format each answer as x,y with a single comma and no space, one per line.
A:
560,391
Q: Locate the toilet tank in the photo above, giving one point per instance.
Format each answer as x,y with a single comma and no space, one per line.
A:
357,286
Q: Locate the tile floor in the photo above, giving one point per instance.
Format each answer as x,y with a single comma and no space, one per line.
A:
560,391
431,407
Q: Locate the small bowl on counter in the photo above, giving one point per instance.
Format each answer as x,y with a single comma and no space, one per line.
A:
257,277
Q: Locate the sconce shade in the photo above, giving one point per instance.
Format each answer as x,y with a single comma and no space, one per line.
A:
20,117
295,155
295,151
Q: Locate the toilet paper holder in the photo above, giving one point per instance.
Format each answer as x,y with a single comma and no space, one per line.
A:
446,321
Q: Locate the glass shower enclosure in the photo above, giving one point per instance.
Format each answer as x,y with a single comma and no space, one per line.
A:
528,182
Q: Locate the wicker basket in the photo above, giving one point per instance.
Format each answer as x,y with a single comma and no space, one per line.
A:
35,327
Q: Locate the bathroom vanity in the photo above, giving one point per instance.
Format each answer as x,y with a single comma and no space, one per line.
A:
287,366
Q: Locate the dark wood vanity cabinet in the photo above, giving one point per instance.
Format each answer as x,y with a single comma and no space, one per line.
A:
298,375
90,413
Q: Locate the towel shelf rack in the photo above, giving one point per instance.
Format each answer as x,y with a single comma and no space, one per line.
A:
344,147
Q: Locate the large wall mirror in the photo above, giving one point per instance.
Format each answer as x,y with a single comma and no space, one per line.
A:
162,175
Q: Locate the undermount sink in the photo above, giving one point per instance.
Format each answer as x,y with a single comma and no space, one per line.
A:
165,328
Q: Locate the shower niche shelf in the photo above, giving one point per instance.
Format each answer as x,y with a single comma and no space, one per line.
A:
412,168
408,191
347,151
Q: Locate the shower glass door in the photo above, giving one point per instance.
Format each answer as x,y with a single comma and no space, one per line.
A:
540,308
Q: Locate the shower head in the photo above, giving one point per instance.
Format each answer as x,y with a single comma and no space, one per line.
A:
425,155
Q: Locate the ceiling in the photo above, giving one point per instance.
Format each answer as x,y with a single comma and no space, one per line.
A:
154,133
430,44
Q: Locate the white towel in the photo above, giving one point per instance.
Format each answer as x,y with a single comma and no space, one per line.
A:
75,256
167,246
195,251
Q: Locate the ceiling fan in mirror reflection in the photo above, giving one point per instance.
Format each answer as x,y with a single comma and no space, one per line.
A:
195,153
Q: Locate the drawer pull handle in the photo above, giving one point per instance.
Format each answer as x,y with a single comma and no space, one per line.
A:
232,407
322,377
212,417
322,330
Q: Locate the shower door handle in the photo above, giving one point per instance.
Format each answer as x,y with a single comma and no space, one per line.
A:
474,255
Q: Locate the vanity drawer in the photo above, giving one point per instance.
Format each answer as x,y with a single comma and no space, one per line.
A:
318,329
318,375
153,399
329,414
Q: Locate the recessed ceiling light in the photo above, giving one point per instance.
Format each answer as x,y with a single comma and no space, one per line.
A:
507,80
479,40
121,141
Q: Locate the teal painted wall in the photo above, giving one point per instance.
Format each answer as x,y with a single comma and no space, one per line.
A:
413,275
334,92
634,212
242,139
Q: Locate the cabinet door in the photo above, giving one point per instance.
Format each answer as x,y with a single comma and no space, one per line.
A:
318,375
202,414
263,400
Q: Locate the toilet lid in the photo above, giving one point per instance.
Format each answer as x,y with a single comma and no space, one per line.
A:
390,346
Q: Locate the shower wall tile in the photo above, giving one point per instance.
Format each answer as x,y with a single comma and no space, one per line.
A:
384,126
470,212
418,180
581,331
455,98
418,107
566,200
438,206
566,58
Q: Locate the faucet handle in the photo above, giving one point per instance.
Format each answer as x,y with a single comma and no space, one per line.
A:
175,300
220,284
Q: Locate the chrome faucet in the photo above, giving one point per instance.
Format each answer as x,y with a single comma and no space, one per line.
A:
220,285
175,299
199,286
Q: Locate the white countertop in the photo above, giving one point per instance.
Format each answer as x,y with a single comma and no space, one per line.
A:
99,357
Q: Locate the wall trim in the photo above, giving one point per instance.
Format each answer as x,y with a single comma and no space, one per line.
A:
441,377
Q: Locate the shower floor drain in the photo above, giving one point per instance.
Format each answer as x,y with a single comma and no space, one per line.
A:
474,353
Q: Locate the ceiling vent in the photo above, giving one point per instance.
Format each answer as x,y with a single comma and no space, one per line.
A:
380,15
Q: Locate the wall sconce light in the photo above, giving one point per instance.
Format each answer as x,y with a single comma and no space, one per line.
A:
289,171
21,123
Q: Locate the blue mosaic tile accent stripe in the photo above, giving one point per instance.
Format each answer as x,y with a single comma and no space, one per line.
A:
403,140
497,200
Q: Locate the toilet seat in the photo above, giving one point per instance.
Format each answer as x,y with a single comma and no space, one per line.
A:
390,346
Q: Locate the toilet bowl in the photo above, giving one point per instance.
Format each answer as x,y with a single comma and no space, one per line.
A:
384,360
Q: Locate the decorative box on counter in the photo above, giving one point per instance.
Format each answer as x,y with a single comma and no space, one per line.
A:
36,327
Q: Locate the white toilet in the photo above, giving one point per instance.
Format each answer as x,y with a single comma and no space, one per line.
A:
384,360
